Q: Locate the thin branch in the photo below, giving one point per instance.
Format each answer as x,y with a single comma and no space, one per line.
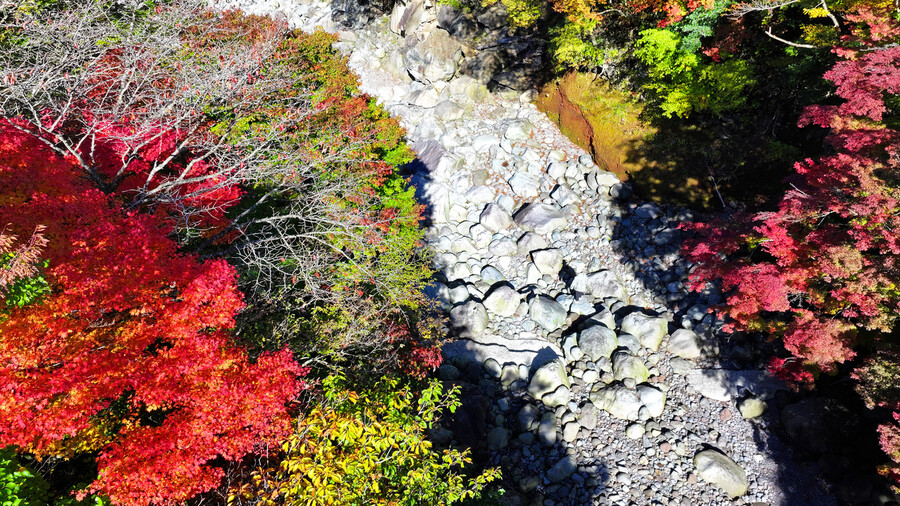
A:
779,39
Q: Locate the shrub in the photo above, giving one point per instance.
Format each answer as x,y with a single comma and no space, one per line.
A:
368,448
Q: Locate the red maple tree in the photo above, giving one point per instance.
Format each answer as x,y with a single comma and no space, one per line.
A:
130,353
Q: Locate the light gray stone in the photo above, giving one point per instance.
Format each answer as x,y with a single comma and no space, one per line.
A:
548,261
547,313
547,429
434,59
491,275
597,341
570,431
503,246
604,284
495,218
653,398
406,17
469,319
587,416
685,343
530,242
720,470
626,365
519,130
559,397
649,330
480,195
725,385
525,185
634,431
502,300
527,417
547,378
540,218
563,195
618,401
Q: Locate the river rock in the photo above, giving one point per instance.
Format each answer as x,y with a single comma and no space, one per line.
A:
469,319
724,385
626,365
618,401
547,429
547,313
685,343
649,330
540,218
502,300
497,438
597,341
548,261
751,407
562,469
653,398
495,218
548,378
604,284
720,470
525,185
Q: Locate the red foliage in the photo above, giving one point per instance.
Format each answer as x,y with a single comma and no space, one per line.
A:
825,263
130,319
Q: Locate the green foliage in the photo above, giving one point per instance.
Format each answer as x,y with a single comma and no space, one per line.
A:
27,290
369,448
19,486
572,45
684,83
522,12
699,24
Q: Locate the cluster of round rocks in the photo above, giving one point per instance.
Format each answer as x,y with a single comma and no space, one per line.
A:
566,299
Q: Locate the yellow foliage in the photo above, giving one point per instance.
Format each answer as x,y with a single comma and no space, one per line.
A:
368,448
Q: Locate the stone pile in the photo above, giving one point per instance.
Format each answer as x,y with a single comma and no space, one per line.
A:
566,299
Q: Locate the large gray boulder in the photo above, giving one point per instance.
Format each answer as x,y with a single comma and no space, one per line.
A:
618,401
548,261
725,385
626,365
649,330
495,218
502,300
434,59
547,378
685,343
597,341
540,218
720,470
604,284
547,313
469,319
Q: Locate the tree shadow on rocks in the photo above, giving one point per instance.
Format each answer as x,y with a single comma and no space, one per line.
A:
648,238
507,429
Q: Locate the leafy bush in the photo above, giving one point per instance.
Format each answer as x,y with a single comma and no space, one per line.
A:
368,448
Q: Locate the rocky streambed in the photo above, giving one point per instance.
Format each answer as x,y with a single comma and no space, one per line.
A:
589,373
